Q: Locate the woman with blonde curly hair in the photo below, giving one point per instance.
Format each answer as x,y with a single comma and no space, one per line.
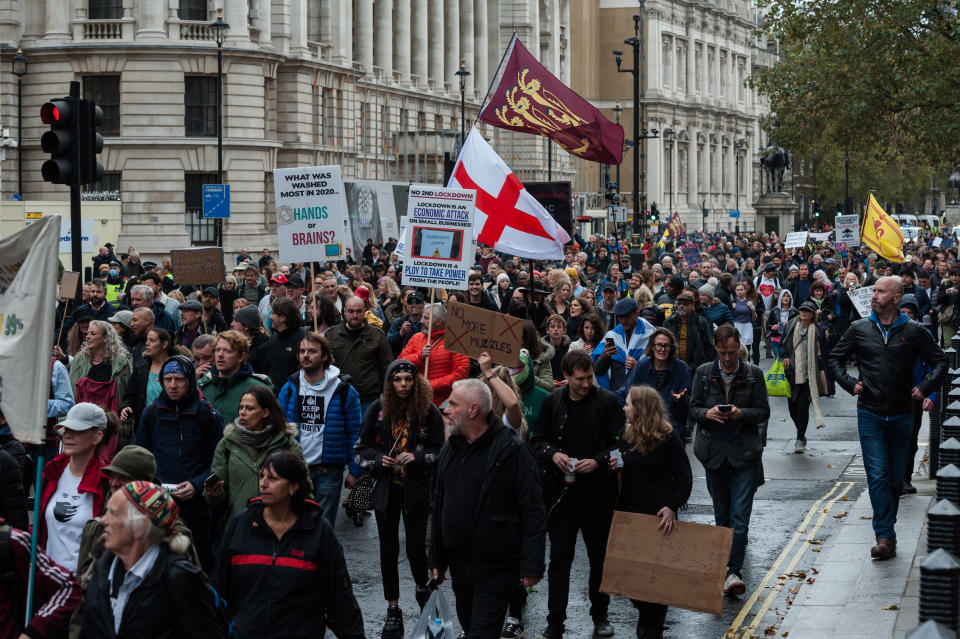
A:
399,442
100,371
656,479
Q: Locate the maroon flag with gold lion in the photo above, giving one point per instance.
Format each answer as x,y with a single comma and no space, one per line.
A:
530,99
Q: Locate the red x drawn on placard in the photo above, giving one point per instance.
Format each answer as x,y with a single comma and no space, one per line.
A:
509,325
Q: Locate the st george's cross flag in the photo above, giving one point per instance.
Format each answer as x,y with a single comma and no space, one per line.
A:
508,218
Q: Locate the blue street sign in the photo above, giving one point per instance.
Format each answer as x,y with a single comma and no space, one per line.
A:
734,213
216,200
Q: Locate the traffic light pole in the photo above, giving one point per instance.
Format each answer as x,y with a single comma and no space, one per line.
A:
76,234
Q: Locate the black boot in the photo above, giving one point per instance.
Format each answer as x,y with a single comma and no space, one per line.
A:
422,595
393,625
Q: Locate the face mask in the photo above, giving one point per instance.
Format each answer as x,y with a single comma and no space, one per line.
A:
114,272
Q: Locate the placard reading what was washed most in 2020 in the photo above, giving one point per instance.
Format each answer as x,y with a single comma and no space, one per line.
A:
438,239
311,213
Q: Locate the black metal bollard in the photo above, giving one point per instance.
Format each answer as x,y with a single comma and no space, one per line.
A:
943,527
931,630
948,484
949,453
940,588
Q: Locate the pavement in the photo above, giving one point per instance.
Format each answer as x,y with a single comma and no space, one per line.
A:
808,569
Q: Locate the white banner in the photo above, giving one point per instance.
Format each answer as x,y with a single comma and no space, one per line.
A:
28,289
88,241
438,243
861,298
797,239
373,207
848,230
401,238
311,214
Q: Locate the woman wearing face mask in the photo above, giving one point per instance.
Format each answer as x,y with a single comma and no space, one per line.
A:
401,435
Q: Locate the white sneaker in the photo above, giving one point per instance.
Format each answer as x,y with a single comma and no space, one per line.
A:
799,446
734,585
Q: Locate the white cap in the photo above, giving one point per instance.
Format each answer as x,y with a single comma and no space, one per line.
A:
84,416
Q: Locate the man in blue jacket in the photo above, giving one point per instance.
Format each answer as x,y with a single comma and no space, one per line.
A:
182,429
327,410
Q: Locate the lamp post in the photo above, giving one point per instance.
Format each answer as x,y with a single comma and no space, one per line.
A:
219,26
462,75
19,63
846,182
639,156
737,149
670,134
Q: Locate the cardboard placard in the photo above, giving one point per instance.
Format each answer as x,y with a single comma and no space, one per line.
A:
848,230
69,285
438,238
197,265
685,569
796,239
471,331
861,298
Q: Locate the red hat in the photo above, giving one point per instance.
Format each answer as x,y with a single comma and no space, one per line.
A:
279,278
363,293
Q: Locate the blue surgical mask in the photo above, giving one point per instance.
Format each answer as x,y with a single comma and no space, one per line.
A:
114,272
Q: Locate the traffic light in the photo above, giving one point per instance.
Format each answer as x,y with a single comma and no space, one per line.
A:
90,142
816,208
60,141
654,213
72,141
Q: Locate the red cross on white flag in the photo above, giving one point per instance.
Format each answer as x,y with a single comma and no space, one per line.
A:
508,218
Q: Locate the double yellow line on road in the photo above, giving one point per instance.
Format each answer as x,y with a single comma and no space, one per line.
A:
839,490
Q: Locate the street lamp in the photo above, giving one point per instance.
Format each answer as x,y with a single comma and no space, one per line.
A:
19,63
639,155
670,134
737,149
462,75
219,26
847,204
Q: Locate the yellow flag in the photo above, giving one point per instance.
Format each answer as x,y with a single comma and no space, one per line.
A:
881,233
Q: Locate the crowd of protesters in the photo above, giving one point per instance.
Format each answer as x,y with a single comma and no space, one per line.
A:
200,438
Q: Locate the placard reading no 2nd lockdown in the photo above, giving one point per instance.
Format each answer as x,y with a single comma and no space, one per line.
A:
438,237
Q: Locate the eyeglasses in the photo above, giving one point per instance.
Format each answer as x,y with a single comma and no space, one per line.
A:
661,347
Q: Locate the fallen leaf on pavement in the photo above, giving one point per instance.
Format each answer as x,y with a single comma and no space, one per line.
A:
786,634
844,499
829,465
841,515
815,549
815,541
892,607
810,580
795,589
863,517
815,571
770,631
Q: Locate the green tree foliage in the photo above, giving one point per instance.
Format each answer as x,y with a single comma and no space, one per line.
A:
878,77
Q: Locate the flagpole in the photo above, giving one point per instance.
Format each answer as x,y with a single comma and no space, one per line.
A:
493,78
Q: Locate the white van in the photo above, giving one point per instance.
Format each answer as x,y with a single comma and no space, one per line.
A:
907,220
910,232
933,221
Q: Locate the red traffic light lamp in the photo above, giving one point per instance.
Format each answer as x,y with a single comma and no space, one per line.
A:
60,141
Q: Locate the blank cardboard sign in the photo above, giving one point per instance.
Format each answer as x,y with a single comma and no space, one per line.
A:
197,265
685,569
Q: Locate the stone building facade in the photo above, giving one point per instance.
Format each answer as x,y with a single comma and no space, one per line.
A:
699,56
366,84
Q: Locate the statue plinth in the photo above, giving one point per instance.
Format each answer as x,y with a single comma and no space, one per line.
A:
776,212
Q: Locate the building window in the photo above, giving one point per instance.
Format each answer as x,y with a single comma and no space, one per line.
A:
105,9
200,102
698,69
107,189
711,71
105,91
681,66
202,231
193,10
682,169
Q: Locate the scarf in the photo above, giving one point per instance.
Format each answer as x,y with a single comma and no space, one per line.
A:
805,366
253,440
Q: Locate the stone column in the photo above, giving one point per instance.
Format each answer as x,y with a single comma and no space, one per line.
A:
265,22
150,20
466,43
451,29
235,14
481,53
58,20
383,42
365,34
692,169
436,38
420,43
298,29
691,67
401,42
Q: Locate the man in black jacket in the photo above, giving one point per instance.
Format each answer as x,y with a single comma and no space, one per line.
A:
729,402
488,520
886,346
574,434
694,343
